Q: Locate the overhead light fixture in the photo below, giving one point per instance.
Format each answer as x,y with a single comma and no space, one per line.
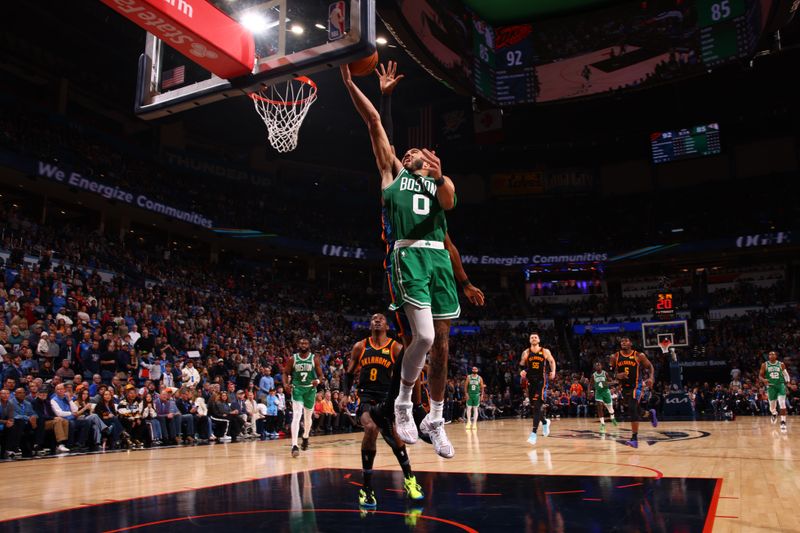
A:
297,29
677,230
255,22
381,40
320,26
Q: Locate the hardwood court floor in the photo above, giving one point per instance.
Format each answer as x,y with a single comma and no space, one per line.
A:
756,464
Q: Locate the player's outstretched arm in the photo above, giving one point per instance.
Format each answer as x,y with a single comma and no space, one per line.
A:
473,293
388,164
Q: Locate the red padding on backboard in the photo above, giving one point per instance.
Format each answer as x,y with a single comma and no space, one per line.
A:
196,29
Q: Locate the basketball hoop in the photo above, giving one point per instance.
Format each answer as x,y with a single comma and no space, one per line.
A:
283,107
665,345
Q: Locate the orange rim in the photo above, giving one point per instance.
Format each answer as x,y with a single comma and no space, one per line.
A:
302,79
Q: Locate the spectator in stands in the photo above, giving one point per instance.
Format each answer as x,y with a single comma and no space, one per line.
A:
107,411
25,417
65,372
190,377
266,383
168,415
10,431
48,422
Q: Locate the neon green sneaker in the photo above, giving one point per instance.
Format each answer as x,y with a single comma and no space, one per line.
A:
602,428
412,488
614,421
366,498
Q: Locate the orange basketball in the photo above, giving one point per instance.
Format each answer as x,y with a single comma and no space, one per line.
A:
364,66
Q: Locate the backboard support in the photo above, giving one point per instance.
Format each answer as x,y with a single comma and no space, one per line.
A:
292,38
677,331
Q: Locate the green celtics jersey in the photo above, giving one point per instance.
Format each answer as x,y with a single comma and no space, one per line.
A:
600,382
303,372
411,210
474,385
774,374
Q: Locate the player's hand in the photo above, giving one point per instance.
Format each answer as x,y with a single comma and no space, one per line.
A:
387,74
434,163
649,383
474,295
522,374
315,382
287,390
622,376
345,70
552,376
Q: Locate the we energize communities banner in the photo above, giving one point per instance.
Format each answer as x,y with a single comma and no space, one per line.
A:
74,179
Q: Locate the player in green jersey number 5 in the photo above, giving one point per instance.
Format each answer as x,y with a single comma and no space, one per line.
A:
474,389
774,374
303,373
415,197
602,395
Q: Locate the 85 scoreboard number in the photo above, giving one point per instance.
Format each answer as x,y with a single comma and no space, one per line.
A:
664,306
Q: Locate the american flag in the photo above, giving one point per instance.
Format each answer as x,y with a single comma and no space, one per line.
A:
173,77
420,134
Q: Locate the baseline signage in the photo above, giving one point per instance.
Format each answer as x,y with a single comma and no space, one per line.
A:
603,329
74,179
537,259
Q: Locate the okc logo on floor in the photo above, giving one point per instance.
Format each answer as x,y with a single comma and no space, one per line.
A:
650,437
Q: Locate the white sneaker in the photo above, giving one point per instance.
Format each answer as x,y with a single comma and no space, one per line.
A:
468,426
212,438
62,449
404,422
546,428
435,430
225,439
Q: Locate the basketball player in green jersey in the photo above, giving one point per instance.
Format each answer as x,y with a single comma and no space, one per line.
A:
774,374
474,389
374,358
303,373
415,197
602,396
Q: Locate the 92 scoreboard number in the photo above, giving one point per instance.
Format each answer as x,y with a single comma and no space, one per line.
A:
664,305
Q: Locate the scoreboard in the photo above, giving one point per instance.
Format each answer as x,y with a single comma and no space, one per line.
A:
685,143
728,29
503,70
664,305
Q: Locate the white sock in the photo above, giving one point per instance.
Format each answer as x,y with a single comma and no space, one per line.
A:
610,411
602,420
405,392
474,415
436,409
783,418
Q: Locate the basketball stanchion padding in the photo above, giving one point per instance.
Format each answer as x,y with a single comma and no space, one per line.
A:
282,107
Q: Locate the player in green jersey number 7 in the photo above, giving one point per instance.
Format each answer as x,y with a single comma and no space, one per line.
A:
774,374
415,196
303,373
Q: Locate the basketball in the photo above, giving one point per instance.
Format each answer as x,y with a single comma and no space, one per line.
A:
364,66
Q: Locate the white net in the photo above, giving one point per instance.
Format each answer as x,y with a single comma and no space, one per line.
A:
283,107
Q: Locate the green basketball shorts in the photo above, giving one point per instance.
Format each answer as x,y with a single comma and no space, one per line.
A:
423,277
603,396
306,395
473,401
773,391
